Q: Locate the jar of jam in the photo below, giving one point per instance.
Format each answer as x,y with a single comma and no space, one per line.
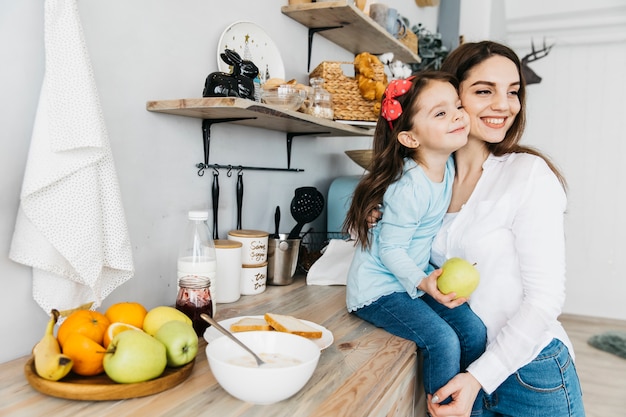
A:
194,298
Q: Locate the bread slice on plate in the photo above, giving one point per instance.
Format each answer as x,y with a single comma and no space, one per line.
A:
247,324
290,324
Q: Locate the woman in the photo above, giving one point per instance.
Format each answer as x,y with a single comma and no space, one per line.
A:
506,214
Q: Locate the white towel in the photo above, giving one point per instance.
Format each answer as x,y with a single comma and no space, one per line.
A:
332,267
70,226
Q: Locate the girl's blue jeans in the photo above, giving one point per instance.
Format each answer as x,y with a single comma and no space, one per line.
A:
546,387
449,339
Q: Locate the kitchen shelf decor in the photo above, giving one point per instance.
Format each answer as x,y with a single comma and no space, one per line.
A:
347,26
253,114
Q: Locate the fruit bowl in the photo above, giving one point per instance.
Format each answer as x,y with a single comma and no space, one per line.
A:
236,371
284,97
101,387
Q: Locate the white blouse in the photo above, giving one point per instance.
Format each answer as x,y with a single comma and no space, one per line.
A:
512,228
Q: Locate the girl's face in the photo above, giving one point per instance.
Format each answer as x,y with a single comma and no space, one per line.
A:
440,124
489,95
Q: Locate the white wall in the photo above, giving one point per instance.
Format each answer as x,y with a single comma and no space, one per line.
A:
577,116
146,50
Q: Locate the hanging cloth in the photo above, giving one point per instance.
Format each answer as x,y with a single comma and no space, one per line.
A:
70,227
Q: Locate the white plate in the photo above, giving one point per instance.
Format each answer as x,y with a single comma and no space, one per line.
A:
251,42
323,342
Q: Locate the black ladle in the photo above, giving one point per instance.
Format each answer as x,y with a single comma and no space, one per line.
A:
306,206
215,197
239,198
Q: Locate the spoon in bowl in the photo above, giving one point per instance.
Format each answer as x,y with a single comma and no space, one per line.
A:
219,327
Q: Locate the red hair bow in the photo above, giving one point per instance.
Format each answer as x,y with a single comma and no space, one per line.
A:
390,107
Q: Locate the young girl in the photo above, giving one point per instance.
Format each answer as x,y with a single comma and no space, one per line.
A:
421,124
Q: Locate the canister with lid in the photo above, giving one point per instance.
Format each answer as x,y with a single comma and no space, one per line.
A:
254,245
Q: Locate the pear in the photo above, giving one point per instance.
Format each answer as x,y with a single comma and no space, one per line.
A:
458,276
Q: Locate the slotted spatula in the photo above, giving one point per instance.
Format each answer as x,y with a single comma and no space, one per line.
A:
306,205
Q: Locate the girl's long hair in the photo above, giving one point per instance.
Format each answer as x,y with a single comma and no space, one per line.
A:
388,157
461,61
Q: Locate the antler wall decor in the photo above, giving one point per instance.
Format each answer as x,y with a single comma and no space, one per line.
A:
531,76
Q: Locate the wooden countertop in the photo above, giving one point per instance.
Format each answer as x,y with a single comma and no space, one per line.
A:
366,371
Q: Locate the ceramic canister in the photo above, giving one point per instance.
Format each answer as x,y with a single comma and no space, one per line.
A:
253,279
227,276
254,245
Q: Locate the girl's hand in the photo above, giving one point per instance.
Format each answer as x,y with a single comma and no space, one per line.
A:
463,388
429,286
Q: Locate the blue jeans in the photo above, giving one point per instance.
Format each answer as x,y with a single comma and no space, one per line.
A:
449,339
546,387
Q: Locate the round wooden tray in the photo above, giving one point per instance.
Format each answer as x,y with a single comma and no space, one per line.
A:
101,387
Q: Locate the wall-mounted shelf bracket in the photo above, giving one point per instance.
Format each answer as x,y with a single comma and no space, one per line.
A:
313,31
206,136
290,136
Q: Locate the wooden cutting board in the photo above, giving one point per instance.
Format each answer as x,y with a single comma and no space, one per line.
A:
101,387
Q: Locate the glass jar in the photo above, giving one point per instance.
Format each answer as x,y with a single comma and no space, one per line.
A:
194,298
320,100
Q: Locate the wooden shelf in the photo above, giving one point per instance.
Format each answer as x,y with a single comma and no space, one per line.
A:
251,113
352,29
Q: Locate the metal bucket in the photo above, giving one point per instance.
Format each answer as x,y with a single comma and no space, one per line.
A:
282,257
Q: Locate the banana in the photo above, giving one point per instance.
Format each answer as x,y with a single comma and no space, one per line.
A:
50,363
66,313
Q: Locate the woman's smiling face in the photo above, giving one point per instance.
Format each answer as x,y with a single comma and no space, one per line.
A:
489,94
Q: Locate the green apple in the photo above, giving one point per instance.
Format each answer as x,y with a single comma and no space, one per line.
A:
134,356
180,340
459,276
160,315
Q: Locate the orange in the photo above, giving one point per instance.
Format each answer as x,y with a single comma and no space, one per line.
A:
90,323
114,329
127,312
86,354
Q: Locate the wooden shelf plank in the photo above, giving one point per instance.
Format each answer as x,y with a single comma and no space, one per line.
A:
359,33
254,114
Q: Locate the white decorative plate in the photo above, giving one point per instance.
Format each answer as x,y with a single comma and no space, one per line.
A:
323,342
251,42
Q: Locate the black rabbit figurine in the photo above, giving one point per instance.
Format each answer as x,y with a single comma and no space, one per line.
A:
239,83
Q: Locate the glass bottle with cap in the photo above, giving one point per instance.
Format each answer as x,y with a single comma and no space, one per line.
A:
320,100
196,255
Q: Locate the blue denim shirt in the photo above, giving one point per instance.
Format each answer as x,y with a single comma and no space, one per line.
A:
398,258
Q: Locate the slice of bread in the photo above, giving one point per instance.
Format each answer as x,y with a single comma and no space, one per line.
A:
247,324
290,324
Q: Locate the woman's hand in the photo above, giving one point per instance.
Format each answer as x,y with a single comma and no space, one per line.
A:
463,388
429,286
373,218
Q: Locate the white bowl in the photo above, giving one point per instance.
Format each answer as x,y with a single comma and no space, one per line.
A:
264,384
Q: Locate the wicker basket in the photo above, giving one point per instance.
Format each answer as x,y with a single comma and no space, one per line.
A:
348,104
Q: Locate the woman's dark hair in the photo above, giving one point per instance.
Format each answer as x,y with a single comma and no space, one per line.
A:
388,156
463,59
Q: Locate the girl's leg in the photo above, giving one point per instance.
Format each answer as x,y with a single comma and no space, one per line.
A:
470,329
414,320
546,387
472,335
